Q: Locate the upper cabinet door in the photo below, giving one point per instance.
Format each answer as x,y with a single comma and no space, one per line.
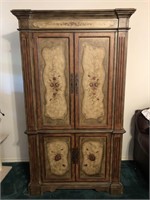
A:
53,65
94,68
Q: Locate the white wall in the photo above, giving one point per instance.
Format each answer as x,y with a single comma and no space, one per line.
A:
11,84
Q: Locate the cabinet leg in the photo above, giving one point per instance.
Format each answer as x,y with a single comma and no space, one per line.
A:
116,189
34,190
52,189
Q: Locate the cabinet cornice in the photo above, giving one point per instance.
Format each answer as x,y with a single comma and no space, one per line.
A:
72,19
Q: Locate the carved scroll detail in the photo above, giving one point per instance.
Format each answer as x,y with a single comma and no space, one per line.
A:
93,81
92,152
57,152
54,81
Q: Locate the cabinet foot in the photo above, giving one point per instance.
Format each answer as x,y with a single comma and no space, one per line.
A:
34,190
50,189
116,189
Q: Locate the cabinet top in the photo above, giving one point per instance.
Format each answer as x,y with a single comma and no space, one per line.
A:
73,19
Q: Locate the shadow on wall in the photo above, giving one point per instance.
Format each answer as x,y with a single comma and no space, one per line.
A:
13,39
131,144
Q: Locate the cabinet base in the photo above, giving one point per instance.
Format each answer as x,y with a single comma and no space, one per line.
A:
34,190
114,189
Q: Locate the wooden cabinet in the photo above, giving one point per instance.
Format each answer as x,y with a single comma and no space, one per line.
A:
74,81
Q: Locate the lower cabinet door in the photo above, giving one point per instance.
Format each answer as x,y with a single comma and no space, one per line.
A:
94,157
55,156
75,157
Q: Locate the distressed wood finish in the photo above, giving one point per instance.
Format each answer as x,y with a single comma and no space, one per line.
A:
120,78
74,65
26,51
95,82
89,145
56,162
116,186
50,101
34,186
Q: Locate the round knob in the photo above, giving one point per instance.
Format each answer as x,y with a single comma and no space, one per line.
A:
91,157
57,157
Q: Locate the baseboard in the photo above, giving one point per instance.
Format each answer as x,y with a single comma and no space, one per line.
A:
8,160
124,158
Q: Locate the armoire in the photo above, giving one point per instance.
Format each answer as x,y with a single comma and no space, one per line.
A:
74,64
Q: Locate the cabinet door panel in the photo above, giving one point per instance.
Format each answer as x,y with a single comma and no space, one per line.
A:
56,160
94,162
53,52
94,69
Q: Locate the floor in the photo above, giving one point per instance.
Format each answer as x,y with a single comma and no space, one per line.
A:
14,185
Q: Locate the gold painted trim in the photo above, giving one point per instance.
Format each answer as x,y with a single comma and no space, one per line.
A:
72,23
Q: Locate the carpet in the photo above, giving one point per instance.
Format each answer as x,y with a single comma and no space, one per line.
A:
15,184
